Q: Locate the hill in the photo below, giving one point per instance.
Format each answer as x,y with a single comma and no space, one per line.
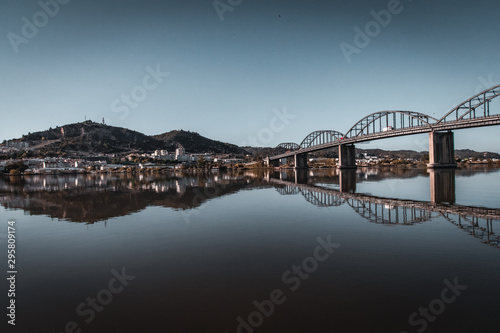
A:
195,143
90,138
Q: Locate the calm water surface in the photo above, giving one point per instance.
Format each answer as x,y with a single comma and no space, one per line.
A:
316,251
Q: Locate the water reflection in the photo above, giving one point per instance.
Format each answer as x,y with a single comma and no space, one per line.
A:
442,186
93,198
89,198
477,221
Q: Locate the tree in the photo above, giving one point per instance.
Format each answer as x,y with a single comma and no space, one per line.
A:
201,162
16,168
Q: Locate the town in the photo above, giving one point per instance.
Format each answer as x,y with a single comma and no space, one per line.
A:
162,160
157,160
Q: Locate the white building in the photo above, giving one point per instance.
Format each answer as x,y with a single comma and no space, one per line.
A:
180,152
168,157
161,152
184,158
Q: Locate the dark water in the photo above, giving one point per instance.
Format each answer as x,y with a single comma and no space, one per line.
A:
316,251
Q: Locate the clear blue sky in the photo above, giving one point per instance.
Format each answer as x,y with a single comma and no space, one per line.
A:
228,78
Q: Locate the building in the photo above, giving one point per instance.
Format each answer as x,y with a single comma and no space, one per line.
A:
179,152
159,153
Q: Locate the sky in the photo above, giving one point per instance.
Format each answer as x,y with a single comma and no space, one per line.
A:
245,72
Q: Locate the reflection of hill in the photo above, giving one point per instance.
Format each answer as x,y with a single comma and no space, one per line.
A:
96,198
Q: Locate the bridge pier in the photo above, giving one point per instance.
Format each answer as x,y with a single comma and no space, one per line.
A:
273,163
441,150
301,161
347,157
442,186
283,161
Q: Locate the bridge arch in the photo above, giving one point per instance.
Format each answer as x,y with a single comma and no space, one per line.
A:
288,190
320,137
288,146
321,199
469,107
383,121
382,211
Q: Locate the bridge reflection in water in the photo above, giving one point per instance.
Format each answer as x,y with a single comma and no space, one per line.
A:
442,186
477,221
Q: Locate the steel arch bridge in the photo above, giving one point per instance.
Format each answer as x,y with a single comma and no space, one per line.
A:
321,137
474,112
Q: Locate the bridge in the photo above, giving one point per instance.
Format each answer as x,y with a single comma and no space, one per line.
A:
476,221
477,111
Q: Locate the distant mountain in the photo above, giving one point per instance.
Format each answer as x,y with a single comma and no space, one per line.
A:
195,143
392,154
88,138
411,154
465,153
264,151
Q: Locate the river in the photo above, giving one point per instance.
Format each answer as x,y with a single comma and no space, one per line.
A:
371,250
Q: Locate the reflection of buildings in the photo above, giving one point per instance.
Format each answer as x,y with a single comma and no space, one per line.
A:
59,165
92,198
